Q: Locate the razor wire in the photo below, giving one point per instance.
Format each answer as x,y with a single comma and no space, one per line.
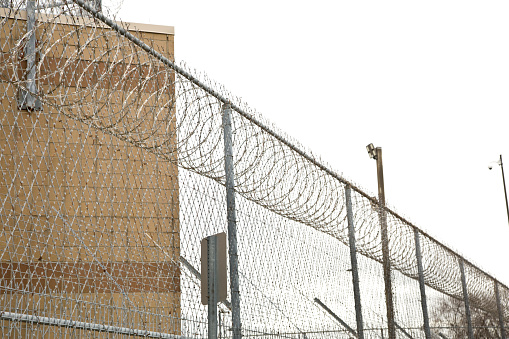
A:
117,130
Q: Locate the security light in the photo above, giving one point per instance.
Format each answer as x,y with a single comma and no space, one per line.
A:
371,151
490,165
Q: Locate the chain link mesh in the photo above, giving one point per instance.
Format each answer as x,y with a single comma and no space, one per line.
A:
112,165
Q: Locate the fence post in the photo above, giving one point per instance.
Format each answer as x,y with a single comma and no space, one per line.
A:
353,260
422,286
465,298
500,311
232,221
212,286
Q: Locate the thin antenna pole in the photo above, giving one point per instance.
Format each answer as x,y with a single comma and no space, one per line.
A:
505,190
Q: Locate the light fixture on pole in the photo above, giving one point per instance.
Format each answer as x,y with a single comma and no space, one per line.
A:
503,181
371,151
376,153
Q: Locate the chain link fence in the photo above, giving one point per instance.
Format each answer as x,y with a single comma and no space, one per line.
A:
113,171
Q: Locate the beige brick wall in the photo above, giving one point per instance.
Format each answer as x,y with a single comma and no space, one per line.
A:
77,204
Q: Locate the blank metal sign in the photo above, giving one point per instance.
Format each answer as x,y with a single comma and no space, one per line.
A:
221,268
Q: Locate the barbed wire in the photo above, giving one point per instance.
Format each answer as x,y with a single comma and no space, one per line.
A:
121,93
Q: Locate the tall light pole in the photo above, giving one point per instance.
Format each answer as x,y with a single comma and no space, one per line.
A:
376,153
503,181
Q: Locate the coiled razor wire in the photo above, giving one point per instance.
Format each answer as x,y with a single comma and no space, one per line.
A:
95,71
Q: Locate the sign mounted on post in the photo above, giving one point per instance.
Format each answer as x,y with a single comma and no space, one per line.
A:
213,266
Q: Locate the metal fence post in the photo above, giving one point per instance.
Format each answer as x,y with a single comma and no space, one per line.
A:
212,286
500,311
422,286
353,260
232,221
465,298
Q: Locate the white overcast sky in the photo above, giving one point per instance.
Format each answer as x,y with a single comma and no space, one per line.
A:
428,81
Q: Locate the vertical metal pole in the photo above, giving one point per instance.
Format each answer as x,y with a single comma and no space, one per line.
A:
422,286
505,190
353,260
385,246
232,221
212,286
500,312
30,55
465,298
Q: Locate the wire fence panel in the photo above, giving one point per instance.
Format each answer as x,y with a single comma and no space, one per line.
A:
113,171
